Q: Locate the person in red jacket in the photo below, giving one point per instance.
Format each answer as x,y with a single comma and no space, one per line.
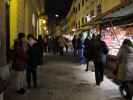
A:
19,62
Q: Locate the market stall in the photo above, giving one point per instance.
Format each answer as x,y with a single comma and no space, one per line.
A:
116,27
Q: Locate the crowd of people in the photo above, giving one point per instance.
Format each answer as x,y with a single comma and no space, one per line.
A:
55,44
94,49
28,54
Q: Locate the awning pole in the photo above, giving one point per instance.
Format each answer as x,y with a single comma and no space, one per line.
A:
114,30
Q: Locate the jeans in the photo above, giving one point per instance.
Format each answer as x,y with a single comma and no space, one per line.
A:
61,51
81,56
104,59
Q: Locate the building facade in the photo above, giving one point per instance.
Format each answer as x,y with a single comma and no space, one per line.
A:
82,12
61,28
24,15
17,16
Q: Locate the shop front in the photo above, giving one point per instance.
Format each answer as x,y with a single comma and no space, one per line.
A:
114,37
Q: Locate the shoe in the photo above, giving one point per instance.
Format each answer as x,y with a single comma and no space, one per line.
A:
86,69
21,91
97,84
29,87
97,87
35,86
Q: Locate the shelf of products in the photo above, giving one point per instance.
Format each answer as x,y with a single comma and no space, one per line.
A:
114,39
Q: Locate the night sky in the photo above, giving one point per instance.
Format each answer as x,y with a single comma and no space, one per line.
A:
60,7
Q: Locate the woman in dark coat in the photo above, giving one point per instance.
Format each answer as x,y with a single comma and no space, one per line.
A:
41,47
20,61
87,51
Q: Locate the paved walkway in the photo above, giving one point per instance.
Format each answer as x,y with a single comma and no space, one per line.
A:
61,78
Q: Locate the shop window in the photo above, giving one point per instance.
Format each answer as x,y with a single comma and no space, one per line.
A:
99,9
79,6
76,25
82,21
79,24
74,10
85,20
91,13
82,2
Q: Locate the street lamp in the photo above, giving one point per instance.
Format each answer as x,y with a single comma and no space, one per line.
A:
88,18
45,28
74,29
44,21
56,15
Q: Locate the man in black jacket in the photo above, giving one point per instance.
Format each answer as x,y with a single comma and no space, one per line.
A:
33,60
100,51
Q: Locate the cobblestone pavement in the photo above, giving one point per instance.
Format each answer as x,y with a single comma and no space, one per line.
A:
61,78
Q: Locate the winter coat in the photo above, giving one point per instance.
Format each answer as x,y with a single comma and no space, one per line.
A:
20,56
33,55
80,43
125,66
99,51
41,46
88,49
75,43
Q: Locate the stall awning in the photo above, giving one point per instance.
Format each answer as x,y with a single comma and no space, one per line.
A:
120,17
122,12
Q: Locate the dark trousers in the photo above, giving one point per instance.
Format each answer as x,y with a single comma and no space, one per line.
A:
87,64
99,72
40,59
31,74
61,51
88,59
75,51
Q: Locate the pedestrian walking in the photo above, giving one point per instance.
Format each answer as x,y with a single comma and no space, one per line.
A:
56,44
81,49
41,48
125,61
33,61
45,44
125,69
100,51
75,45
62,44
50,44
88,51
19,62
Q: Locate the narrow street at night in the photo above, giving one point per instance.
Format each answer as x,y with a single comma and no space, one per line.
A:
60,78
66,49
